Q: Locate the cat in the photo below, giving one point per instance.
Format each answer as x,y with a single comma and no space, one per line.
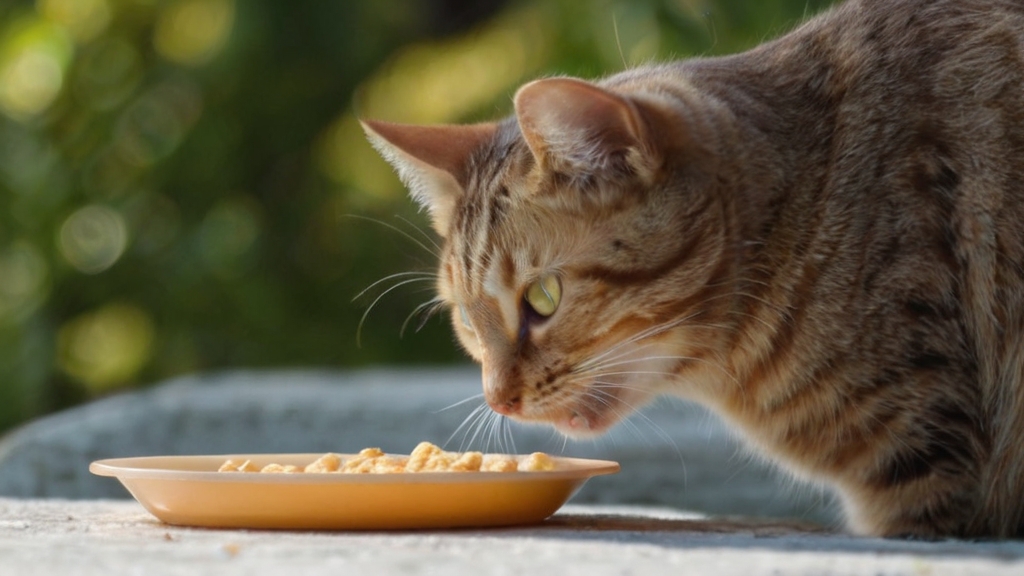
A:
821,239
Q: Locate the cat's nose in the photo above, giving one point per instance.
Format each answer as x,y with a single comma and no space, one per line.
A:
506,407
503,397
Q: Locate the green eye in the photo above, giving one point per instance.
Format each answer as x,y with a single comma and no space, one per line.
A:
544,295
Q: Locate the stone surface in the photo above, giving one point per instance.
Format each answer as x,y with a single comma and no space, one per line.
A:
673,454
46,537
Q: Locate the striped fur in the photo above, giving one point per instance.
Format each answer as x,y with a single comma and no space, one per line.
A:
821,239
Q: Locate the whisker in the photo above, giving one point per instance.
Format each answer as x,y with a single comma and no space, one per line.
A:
359,328
654,330
426,236
418,274
435,254
466,425
432,306
461,402
601,373
481,422
599,361
623,418
763,322
493,431
511,438
654,426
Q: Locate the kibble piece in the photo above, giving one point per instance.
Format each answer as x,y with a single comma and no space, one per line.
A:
467,462
375,465
537,462
329,462
389,465
427,457
423,458
279,469
498,463
235,466
363,462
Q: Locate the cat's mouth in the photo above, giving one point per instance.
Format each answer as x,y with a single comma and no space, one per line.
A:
580,414
590,413
585,402
583,421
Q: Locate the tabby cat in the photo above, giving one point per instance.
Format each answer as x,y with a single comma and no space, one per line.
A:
821,239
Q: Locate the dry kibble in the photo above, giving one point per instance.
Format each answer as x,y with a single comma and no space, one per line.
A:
363,462
235,466
389,465
279,469
421,456
426,457
467,462
537,462
329,462
499,463
375,465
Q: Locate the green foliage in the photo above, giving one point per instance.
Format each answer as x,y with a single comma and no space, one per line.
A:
178,178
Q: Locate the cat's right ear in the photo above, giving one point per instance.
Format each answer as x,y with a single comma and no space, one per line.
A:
577,127
432,161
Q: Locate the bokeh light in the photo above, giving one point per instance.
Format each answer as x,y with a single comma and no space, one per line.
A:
443,81
23,275
106,348
33,57
155,219
435,82
342,155
108,72
84,19
153,126
191,32
227,233
93,238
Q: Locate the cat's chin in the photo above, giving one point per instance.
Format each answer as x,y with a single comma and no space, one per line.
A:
576,427
591,415
584,423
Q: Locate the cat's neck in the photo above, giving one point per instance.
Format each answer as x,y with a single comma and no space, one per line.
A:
777,111
781,126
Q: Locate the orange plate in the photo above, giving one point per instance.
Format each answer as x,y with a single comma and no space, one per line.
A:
188,491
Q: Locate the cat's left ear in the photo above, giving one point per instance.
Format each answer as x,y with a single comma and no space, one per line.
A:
432,161
577,127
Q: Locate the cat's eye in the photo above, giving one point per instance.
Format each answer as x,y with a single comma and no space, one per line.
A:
465,318
544,294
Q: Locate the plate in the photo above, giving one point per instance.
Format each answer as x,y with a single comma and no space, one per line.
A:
188,491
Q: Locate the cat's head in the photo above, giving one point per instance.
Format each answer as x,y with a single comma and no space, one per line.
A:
582,242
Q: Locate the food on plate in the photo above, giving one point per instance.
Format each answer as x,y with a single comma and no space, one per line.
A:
426,457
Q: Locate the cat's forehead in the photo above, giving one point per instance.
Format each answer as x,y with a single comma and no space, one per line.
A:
499,162
483,237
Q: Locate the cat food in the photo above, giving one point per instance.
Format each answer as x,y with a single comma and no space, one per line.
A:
426,457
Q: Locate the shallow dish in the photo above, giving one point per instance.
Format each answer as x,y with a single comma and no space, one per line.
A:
188,491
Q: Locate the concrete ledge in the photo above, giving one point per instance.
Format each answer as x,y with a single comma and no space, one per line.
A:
673,455
48,537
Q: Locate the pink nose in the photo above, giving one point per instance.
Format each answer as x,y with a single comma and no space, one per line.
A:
506,407
502,393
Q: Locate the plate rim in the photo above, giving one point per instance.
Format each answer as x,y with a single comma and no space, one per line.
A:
131,468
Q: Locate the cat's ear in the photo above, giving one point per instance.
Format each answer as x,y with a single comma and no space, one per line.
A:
577,127
432,161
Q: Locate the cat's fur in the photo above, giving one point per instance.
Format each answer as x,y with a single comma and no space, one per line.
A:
821,239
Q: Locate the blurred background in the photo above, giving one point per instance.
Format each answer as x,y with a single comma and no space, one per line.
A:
184,186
